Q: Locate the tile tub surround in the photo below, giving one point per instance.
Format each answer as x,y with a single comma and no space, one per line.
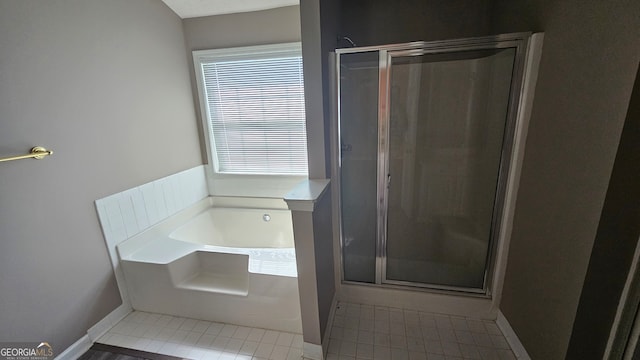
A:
197,339
380,332
130,212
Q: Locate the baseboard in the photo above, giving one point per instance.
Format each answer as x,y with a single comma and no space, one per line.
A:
311,351
76,349
94,333
516,346
109,321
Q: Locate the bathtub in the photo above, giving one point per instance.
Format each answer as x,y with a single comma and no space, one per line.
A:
219,260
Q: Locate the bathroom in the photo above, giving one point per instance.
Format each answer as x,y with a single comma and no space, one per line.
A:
109,87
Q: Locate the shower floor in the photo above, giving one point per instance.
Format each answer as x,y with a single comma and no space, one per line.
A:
379,332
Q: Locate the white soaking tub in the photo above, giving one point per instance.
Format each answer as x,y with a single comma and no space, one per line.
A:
218,262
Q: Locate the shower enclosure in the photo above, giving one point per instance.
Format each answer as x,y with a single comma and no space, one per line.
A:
425,132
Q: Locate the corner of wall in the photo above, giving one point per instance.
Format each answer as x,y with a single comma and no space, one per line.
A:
512,338
83,344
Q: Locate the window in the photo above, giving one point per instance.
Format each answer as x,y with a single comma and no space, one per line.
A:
253,102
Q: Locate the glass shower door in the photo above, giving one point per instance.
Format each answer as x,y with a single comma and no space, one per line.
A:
446,128
424,138
358,159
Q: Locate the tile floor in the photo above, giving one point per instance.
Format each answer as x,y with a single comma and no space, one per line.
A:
378,332
196,339
359,332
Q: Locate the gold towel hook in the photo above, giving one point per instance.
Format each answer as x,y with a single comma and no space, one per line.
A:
37,152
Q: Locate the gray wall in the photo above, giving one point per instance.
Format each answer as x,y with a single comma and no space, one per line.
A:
614,245
307,276
272,26
314,257
589,60
323,250
103,84
377,22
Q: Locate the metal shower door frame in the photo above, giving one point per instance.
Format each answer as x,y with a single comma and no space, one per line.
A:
518,41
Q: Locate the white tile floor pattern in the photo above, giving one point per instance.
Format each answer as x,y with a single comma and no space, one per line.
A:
359,332
200,340
383,333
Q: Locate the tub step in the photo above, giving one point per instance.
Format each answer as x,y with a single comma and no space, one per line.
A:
217,283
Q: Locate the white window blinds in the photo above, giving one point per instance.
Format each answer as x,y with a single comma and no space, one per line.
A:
254,99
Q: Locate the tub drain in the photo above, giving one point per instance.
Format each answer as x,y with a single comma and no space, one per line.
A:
266,217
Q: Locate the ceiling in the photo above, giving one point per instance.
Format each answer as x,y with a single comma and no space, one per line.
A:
197,8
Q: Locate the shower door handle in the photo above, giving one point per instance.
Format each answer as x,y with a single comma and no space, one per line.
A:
344,148
388,180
